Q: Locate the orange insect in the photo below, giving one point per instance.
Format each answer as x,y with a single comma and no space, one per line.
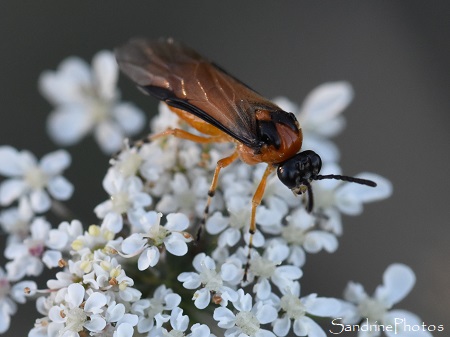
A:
225,110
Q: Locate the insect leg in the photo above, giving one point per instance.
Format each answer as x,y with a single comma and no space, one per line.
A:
180,133
224,162
256,201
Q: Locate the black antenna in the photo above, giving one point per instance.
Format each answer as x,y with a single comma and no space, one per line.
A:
346,178
310,205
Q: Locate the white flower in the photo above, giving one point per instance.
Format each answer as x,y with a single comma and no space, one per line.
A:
235,224
210,280
7,306
147,244
16,220
95,237
127,197
117,316
151,309
178,321
28,178
165,119
61,238
267,268
248,319
75,317
398,280
28,257
322,108
301,235
185,195
87,101
296,308
200,330
10,295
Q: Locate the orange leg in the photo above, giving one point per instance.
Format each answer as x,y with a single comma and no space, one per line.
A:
224,162
256,201
183,134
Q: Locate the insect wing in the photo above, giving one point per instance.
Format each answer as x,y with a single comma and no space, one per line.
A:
184,79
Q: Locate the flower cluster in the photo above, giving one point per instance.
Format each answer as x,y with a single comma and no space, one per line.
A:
138,271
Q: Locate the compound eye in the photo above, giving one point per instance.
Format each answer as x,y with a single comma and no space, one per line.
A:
287,175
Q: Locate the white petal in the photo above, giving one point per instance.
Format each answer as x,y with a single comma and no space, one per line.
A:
190,280
315,241
328,150
18,293
131,319
109,137
55,314
95,324
8,308
398,280
140,200
266,314
281,326
263,333
51,258
148,258
354,292
225,317
405,323
356,193
130,118
202,298
177,222
176,245
326,102
124,330
113,222
297,256
289,272
172,301
263,289
312,328
68,124
276,251
101,210
114,313
55,162
75,294
64,86
10,162
95,302
40,201
324,307
229,237
106,71
200,330
133,244
216,223
10,190
60,188
178,320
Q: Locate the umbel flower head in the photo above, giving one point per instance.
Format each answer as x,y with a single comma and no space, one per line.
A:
136,270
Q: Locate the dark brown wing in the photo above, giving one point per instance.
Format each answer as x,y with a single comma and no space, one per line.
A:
184,79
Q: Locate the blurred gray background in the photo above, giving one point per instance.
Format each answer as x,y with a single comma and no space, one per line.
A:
395,54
